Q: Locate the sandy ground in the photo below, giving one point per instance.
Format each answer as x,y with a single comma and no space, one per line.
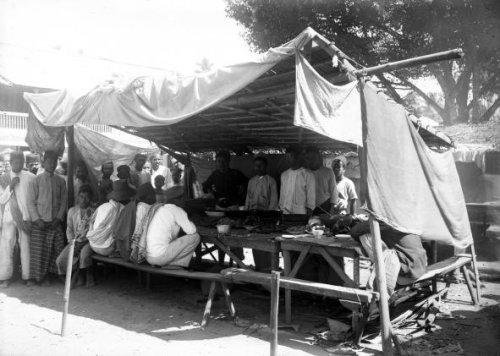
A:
119,317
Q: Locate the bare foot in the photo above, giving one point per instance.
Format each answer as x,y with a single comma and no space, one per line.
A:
5,284
30,283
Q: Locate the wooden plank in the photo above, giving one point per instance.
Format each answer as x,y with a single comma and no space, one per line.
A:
444,267
224,248
300,261
238,275
165,272
340,271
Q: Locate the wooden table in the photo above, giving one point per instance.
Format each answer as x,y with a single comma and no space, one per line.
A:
239,238
326,247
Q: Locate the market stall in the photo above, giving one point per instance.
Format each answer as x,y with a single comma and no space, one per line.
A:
308,92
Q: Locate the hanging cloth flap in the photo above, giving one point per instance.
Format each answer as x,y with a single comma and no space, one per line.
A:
410,187
165,100
97,149
330,110
41,138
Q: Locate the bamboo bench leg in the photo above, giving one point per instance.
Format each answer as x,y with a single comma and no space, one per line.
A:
469,285
476,273
229,301
288,292
208,306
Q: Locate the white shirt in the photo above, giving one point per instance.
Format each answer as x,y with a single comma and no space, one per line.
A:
164,171
22,191
100,231
164,228
347,191
262,193
298,191
326,186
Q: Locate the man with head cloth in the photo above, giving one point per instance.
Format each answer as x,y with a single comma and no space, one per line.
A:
16,219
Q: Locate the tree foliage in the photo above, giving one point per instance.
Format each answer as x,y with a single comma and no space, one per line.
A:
374,32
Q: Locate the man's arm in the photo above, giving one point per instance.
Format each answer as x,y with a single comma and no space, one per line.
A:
351,192
334,193
63,198
273,202
310,191
5,195
32,200
247,200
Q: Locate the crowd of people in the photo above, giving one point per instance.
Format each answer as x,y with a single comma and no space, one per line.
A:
136,211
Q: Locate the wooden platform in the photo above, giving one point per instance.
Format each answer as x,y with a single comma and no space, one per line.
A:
214,278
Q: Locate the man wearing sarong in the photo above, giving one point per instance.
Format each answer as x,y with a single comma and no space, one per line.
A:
326,186
164,246
77,226
16,219
100,234
262,194
298,186
47,207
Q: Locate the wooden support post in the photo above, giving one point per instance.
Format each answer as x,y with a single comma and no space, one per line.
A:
208,306
229,301
275,301
476,272
385,321
67,287
434,260
70,137
469,285
356,271
288,293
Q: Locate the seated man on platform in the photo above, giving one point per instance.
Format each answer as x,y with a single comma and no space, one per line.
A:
298,186
105,217
227,185
78,222
404,256
164,246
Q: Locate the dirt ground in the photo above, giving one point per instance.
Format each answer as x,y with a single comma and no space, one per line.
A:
119,317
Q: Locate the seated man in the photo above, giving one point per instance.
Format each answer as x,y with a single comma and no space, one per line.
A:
175,193
105,185
345,187
404,255
164,246
77,226
100,234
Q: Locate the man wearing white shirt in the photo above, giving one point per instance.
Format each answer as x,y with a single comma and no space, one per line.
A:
158,169
16,219
164,246
298,187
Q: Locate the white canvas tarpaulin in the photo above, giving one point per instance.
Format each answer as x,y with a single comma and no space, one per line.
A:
97,149
409,186
330,110
150,101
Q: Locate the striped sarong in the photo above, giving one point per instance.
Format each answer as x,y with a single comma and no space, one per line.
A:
45,245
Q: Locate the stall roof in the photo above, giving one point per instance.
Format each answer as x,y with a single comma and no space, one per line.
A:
240,107
261,116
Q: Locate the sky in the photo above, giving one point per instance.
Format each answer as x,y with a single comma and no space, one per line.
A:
78,43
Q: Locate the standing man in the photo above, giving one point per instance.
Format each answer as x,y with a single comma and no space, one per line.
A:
226,184
105,185
261,192
136,172
32,163
16,219
326,186
345,186
261,195
298,186
158,169
47,207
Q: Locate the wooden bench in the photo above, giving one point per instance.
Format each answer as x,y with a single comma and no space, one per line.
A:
213,278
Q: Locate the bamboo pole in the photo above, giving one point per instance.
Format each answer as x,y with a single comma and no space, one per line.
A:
385,320
476,273
411,62
275,300
70,137
67,287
